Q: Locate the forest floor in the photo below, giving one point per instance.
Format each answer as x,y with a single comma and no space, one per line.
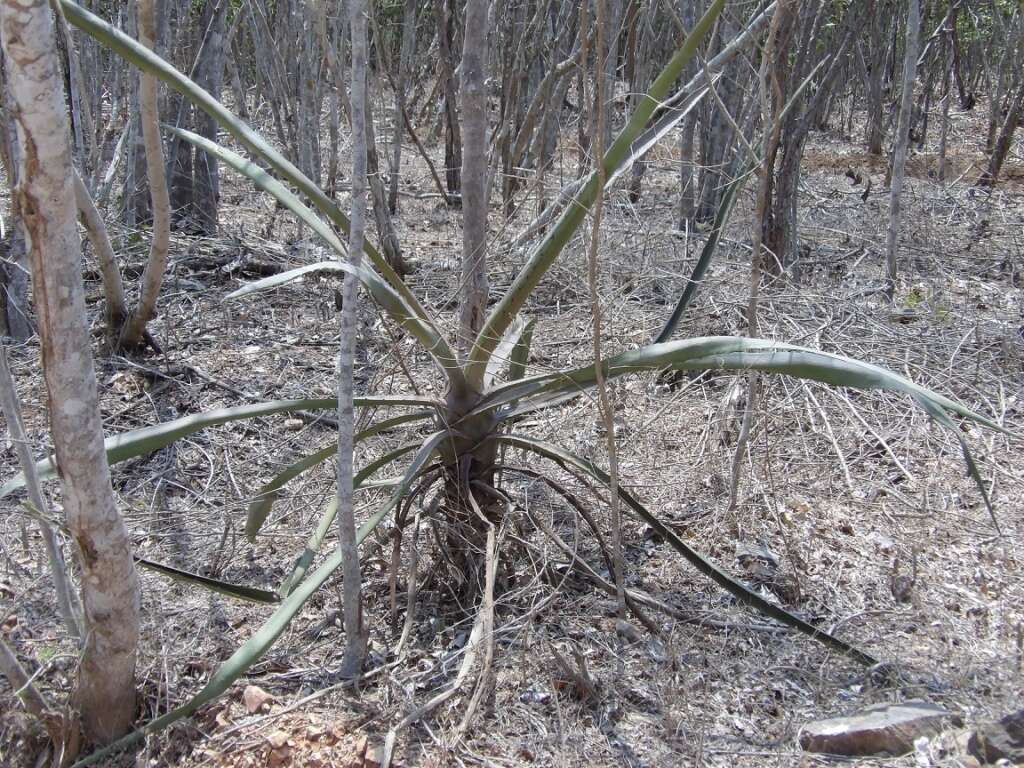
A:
847,490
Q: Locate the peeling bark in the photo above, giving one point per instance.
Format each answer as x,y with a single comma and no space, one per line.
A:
106,686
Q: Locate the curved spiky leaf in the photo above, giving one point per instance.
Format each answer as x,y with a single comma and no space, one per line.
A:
316,540
727,353
620,152
124,46
385,295
942,417
520,356
248,594
139,442
267,183
254,648
511,352
707,253
737,353
728,583
267,495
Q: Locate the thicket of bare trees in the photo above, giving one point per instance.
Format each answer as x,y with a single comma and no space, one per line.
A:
523,111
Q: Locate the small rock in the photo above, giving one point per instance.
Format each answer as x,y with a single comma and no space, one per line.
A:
1003,740
280,751
373,758
882,729
627,631
278,739
279,757
361,746
294,425
255,698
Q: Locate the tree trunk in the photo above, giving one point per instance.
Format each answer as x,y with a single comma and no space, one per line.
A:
153,276
14,305
899,155
473,293
452,140
1002,145
110,597
135,198
404,68
352,608
386,234
944,125
210,76
874,126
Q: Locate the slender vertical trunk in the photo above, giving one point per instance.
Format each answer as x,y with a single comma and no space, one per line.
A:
944,126
404,67
113,288
452,140
386,233
605,406
772,76
966,99
473,296
106,686
352,608
687,169
136,203
1014,114
875,128
153,276
899,155
210,76
14,304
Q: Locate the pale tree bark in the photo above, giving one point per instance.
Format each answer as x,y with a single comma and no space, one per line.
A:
899,154
874,128
473,293
106,686
352,608
113,287
386,234
944,125
772,94
687,180
606,408
135,332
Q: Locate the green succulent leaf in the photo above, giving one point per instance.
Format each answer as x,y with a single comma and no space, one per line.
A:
570,461
254,648
248,594
727,353
520,356
942,418
517,339
618,155
737,353
139,442
260,507
384,294
316,540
